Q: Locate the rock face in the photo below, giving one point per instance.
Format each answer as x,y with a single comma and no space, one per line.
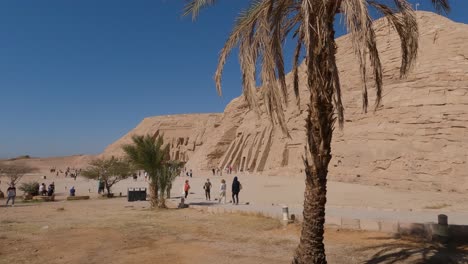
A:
184,133
418,139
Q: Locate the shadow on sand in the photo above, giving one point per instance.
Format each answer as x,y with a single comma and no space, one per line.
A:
418,252
207,203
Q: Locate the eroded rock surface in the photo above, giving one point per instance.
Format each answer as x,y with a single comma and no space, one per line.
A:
417,139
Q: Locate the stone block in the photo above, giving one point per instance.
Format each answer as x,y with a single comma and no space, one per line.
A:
44,198
458,232
333,221
74,198
370,225
389,227
347,223
413,229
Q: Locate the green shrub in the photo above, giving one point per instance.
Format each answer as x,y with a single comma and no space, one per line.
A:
30,187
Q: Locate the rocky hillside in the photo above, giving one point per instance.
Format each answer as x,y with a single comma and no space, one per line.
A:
184,133
418,139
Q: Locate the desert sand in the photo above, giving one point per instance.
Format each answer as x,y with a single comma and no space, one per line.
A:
115,231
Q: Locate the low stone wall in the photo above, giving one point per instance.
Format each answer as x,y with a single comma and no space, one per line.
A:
44,198
427,231
74,198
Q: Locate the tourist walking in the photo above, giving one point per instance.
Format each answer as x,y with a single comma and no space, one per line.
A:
214,171
222,191
207,188
186,188
11,194
236,187
190,173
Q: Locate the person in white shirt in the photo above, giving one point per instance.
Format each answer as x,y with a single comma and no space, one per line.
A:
222,191
41,189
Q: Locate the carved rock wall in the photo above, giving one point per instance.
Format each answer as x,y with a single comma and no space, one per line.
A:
418,139
184,133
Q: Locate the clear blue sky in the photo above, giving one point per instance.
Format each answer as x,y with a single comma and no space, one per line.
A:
77,75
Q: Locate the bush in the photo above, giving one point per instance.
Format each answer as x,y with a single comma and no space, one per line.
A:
30,187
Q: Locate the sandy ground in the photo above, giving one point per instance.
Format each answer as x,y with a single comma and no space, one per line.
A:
269,193
115,231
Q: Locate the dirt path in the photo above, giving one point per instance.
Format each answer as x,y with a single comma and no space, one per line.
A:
114,231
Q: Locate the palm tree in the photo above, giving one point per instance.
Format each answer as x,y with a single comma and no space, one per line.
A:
166,175
260,31
148,153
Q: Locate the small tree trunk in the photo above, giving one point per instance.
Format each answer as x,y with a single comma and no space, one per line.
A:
108,188
168,190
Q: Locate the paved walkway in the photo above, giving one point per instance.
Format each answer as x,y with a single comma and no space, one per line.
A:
267,195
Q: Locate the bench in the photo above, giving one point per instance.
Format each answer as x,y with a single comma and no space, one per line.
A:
74,198
44,198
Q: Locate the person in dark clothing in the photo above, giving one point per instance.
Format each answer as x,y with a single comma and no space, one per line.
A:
72,191
207,188
11,194
101,187
236,187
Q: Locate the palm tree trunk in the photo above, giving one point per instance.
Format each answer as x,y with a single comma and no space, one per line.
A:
162,201
322,77
154,197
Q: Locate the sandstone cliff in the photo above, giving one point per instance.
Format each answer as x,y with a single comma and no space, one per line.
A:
418,138
184,133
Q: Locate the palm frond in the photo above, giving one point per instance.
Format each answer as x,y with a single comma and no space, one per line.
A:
194,6
295,69
403,19
441,6
244,27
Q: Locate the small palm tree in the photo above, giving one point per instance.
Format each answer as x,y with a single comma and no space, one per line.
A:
260,32
148,153
167,174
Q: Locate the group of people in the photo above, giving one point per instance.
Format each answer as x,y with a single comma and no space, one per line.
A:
46,191
72,172
188,173
235,190
217,172
228,169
